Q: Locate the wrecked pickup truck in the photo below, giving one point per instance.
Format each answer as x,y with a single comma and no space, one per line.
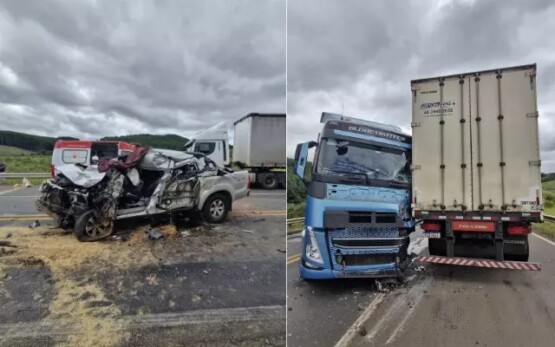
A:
146,182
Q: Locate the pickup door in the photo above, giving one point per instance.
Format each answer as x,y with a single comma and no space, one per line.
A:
235,183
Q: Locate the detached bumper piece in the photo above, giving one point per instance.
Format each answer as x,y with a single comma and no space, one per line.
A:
510,265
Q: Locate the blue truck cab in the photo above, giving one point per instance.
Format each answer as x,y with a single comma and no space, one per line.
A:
358,217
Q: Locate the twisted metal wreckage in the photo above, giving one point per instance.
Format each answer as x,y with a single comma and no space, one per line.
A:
147,182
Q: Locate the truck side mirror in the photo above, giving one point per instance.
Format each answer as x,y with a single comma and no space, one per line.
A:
301,154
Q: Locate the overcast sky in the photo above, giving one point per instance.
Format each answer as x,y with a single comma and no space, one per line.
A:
359,58
95,68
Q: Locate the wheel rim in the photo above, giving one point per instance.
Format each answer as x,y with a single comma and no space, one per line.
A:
91,229
269,181
96,230
217,208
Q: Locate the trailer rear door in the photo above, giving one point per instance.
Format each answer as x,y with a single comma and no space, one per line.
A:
479,150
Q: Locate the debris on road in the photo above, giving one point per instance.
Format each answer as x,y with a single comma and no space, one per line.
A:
26,183
153,234
387,284
121,238
247,231
281,250
8,235
35,224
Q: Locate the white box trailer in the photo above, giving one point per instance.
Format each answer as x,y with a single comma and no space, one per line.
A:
476,158
259,145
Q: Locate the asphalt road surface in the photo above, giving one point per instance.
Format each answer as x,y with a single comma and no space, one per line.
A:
439,306
18,200
203,284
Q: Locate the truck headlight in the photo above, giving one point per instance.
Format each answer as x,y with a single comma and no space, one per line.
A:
312,251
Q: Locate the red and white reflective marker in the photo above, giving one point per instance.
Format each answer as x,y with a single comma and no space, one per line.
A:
511,265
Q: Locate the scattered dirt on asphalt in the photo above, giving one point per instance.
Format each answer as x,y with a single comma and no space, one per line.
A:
77,302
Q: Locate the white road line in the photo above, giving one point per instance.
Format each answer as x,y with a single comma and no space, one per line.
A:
353,330
543,238
9,191
400,326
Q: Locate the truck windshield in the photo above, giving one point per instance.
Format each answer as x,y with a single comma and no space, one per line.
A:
342,157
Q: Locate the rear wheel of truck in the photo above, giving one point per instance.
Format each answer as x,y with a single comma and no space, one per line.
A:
216,208
88,228
268,181
436,246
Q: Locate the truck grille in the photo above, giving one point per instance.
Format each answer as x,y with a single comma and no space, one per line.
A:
367,242
368,259
356,246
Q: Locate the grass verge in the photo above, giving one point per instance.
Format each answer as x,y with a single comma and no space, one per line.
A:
546,229
27,163
14,181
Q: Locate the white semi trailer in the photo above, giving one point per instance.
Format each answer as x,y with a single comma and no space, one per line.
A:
258,145
476,163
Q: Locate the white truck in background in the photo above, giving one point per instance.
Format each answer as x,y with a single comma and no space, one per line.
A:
476,164
258,146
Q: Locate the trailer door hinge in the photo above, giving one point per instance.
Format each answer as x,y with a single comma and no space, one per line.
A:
535,163
414,124
533,115
530,73
415,167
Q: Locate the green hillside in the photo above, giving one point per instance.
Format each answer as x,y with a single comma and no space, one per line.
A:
168,141
44,145
29,142
9,150
296,190
548,189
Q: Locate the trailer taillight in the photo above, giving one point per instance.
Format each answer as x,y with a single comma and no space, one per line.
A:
430,226
519,229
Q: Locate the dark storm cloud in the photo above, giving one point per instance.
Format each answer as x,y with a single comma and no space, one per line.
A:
105,67
359,59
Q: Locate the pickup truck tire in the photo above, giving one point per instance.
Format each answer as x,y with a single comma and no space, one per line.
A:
215,208
268,181
87,229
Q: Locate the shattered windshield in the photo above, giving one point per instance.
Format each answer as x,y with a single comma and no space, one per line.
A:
342,157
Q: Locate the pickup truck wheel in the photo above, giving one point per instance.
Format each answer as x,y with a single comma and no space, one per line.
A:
268,181
88,229
216,208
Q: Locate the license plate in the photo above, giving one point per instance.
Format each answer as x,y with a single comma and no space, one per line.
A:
432,234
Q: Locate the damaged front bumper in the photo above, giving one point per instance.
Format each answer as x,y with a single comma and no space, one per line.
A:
313,272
